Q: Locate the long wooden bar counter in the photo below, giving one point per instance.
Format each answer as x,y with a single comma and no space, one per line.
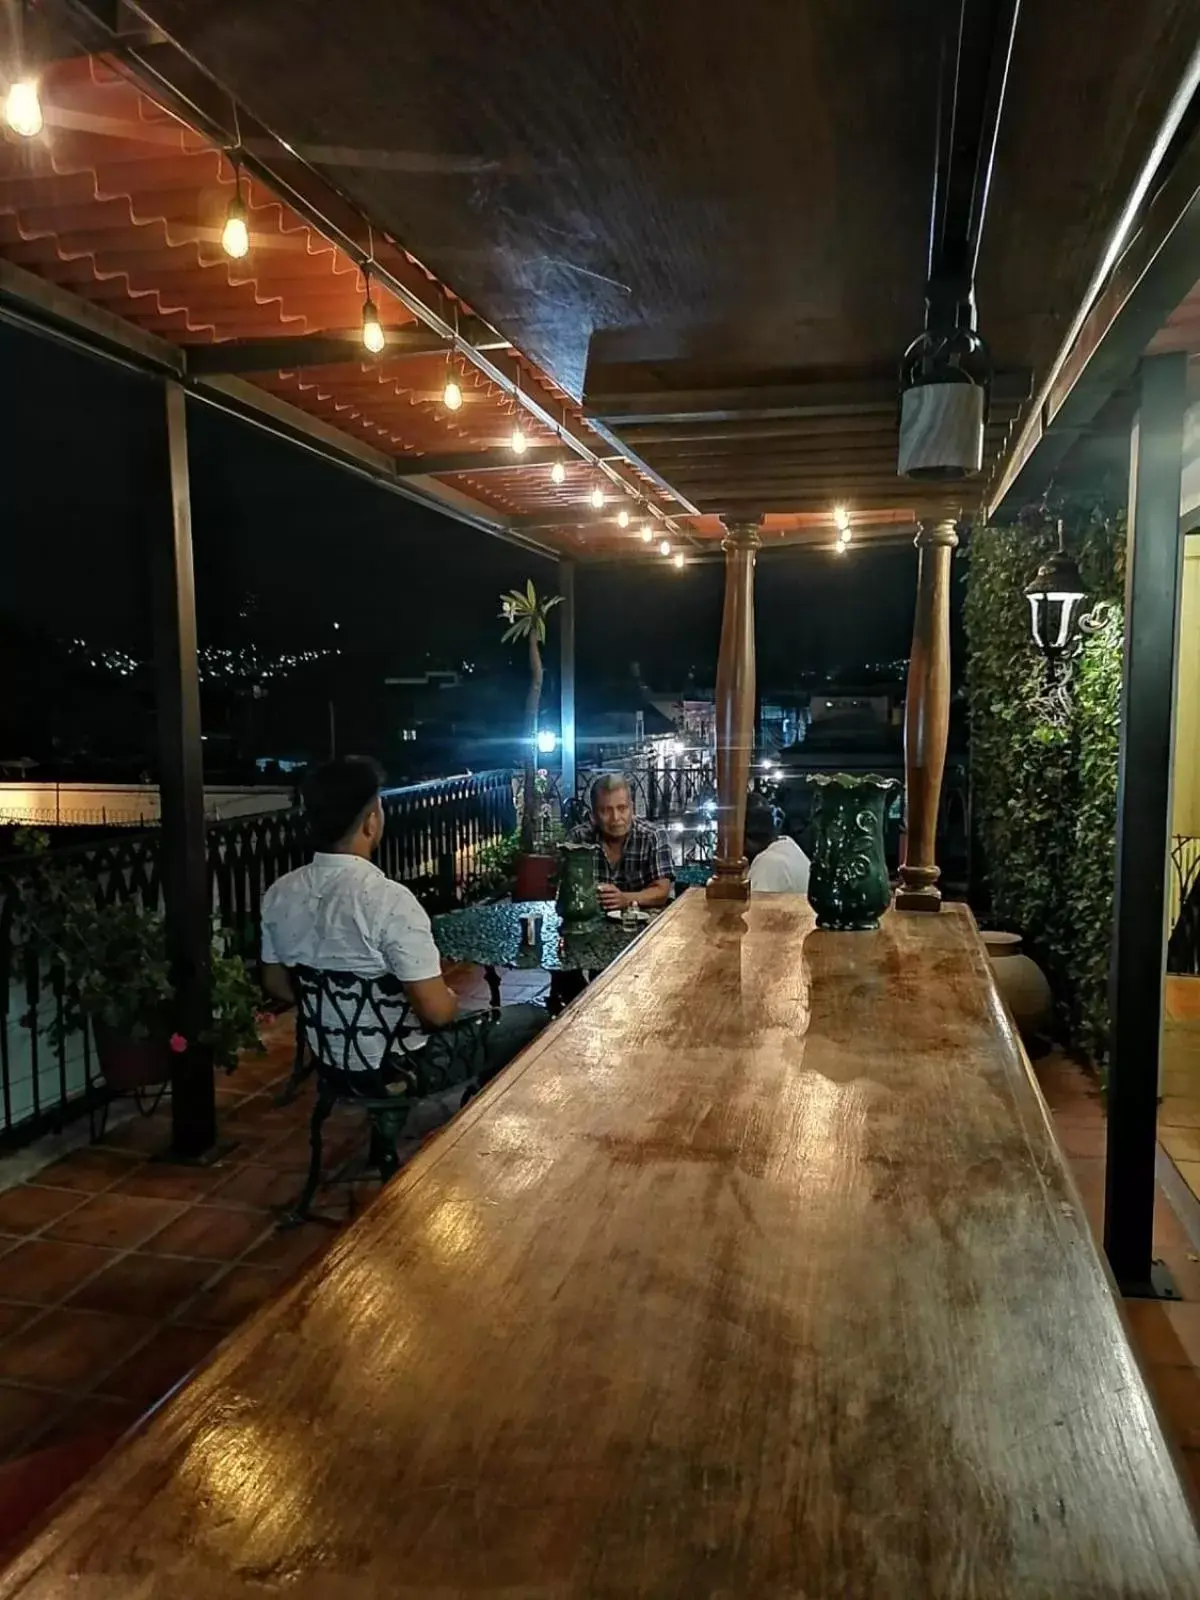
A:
759,1275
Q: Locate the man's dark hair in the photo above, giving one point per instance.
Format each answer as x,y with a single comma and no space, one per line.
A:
760,822
335,796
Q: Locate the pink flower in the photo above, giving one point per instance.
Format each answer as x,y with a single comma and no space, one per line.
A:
177,1043
262,1018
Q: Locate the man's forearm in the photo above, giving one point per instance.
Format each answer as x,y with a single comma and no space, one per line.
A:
657,894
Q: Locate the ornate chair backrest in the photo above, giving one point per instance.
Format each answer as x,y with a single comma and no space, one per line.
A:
340,1012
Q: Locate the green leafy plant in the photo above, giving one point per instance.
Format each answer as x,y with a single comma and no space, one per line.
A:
496,865
111,962
526,613
1044,785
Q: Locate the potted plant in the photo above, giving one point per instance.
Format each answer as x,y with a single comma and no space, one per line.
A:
526,613
110,962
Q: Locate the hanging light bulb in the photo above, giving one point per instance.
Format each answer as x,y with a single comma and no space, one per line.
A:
452,396
622,519
558,472
597,498
679,558
372,329
841,518
235,235
518,443
664,548
23,108
647,534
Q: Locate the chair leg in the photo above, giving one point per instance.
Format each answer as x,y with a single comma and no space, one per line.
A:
386,1126
300,1212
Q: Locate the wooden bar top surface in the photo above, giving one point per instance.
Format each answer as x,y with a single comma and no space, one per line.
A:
759,1275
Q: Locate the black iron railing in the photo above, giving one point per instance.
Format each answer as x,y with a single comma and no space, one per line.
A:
1183,911
432,841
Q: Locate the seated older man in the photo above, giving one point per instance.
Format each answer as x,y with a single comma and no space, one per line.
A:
634,856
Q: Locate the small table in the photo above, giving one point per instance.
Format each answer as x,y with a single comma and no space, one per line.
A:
490,937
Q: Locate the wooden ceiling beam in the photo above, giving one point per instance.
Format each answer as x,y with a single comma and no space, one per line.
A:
766,402
500,459
230,357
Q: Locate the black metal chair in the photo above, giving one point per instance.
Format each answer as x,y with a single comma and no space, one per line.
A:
338,1014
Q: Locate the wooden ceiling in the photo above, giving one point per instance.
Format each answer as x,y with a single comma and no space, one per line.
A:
704,226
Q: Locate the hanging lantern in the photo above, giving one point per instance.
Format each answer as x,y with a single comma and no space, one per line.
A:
1057,618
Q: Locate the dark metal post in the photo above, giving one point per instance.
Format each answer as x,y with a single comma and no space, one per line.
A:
566,584
181,782
1152,584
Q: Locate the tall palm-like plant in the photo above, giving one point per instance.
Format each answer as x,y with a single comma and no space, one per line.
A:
526,614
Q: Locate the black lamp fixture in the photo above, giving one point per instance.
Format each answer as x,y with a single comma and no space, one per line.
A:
1057,618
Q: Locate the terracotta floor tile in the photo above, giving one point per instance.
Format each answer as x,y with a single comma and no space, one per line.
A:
155,1370
23,1410
65,1349
1181,1144
1177,1391
257,1186
27,1208
1184,1266
99,1418
1189,1171
142,1285
1179,1111
235,1297
295,1248
214,1232
14,1316
44,1271
165,1180
90,1169
144,1135
121,1221
1165,1333
1081,1139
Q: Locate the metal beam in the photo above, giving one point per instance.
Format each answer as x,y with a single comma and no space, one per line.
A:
184,863
566,677
1153,573
40,307
499,459
232,356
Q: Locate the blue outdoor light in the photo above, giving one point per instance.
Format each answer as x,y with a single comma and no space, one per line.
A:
547,741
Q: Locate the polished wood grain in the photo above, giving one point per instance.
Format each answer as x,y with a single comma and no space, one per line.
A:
759,1275
926,719
735,713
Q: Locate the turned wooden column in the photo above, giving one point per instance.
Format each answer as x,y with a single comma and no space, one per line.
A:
735,713
926,718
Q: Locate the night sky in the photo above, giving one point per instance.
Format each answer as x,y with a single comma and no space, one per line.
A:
300,544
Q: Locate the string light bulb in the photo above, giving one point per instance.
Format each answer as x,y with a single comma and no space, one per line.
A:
679,558
23,108
622,519
647,534
558,473
372,329
841,519
452,395
518,443
597,498
235,235
664,548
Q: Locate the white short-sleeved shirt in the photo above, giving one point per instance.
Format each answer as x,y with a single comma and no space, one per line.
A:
341,912
782,868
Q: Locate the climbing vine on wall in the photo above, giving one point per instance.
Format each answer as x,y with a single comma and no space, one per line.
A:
1044,785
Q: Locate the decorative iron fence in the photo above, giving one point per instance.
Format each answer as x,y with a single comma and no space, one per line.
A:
432,841
1183,906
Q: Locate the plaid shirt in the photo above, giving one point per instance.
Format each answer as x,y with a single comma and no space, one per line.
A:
645,856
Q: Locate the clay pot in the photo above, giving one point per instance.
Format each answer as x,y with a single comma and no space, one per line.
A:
129,1064
1022,983
535,876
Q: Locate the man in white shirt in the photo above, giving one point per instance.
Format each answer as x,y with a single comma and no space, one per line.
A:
777,863
342,914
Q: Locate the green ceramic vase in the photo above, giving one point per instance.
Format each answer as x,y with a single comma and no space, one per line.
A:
577,897
848,885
